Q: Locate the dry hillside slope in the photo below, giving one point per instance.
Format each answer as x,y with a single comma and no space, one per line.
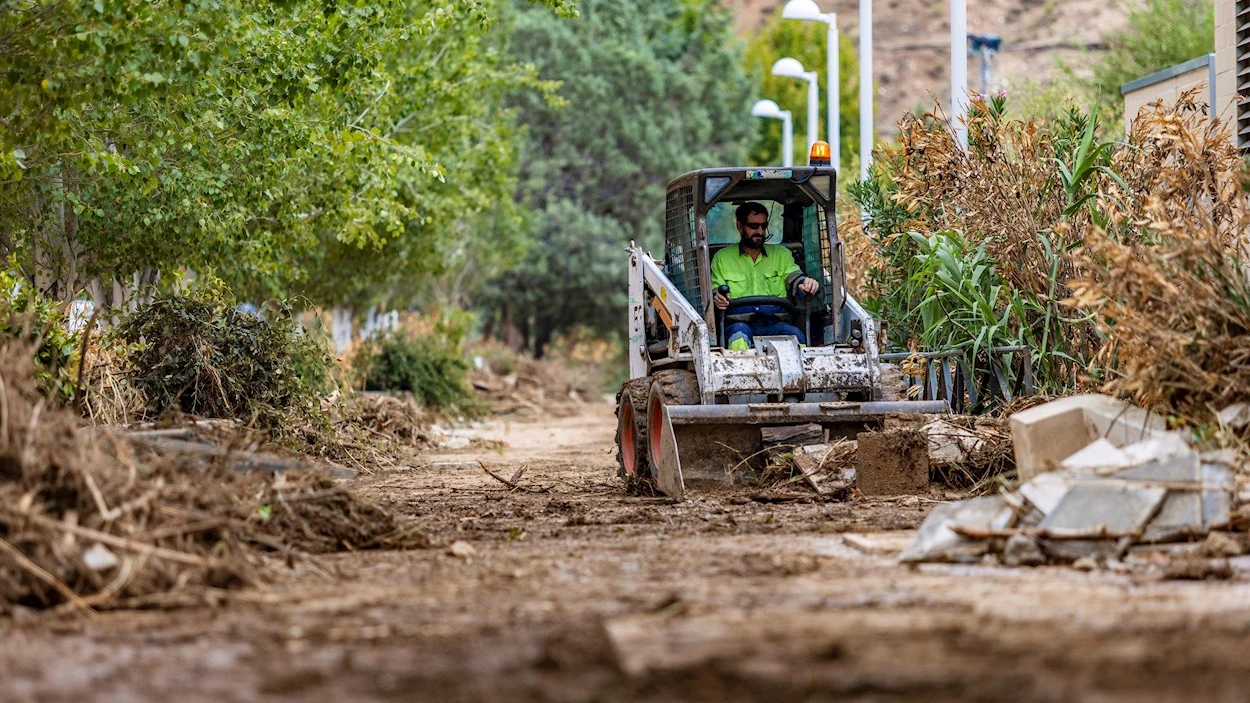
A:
912,40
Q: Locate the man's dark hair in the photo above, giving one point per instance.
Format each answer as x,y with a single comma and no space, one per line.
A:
747,209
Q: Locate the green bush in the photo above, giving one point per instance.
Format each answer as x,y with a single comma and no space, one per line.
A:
196,353
430,366
32,319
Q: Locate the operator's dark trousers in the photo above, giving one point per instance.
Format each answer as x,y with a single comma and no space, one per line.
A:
741,335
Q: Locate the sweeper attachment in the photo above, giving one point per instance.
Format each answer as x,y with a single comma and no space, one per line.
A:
694,407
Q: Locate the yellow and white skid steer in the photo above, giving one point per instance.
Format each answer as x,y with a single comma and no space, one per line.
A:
693,409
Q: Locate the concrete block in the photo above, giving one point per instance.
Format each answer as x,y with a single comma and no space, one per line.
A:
1044,436
937,541
892,462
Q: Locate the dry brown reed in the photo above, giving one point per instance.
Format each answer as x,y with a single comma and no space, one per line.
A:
1172,300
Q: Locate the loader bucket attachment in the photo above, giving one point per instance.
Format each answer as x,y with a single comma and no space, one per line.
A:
717,445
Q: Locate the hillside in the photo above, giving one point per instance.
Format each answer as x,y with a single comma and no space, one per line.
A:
912,39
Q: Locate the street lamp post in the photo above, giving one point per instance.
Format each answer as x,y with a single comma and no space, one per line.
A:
791,68
808,11
769,110
959,70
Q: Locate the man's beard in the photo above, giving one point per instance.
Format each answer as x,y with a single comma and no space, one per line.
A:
755,241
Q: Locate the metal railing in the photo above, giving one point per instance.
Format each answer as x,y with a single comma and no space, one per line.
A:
970,384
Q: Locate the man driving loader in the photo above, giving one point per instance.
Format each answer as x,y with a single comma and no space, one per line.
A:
755,268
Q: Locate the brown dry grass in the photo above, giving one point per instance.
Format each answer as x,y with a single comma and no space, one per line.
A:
1173,301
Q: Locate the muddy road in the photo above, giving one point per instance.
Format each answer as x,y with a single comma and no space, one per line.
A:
563,589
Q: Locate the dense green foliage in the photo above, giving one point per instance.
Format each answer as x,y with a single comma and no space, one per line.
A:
652,89
196,353
297,146
431,366
34,320
1161,33
804,41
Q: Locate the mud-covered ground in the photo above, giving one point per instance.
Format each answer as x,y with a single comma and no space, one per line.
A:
573,592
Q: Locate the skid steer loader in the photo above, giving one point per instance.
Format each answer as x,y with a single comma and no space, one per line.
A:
693,409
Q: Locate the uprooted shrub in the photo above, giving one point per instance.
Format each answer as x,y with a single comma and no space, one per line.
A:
431,366
93,519
196,353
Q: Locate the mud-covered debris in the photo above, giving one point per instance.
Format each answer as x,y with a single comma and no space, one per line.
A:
950,444
461,549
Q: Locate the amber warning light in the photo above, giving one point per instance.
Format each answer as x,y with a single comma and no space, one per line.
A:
820,155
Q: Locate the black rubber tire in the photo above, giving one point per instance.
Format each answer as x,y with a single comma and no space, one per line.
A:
636,392
679,388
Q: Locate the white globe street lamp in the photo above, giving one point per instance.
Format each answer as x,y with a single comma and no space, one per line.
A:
770,110
808,11
791,68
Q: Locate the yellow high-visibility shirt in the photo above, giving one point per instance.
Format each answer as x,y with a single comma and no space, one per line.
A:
746,277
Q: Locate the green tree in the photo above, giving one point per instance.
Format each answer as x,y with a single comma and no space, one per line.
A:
804,41
653,89
277,143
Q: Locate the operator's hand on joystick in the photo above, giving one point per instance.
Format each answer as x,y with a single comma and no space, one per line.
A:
721,298
809,285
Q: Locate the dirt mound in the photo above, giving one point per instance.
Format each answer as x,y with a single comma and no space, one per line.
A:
94,519
534,386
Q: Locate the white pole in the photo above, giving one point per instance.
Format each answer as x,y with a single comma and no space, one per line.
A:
959,70
865,87
834,94
787,139
813,111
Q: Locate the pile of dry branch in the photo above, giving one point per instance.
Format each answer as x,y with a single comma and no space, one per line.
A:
535,386
90,518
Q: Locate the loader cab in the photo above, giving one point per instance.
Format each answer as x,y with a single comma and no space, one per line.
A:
699,222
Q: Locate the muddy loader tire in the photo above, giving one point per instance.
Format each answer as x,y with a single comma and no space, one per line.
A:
631,431
632,455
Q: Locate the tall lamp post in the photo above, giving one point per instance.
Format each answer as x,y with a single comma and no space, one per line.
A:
959,70
791,68
770,110
808,11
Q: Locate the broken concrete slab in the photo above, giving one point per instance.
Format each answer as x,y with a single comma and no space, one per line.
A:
1179,469
936,540
1099,518
1112,510
1043,492
1043,436
892,462
1179,517
1157,448
1099,454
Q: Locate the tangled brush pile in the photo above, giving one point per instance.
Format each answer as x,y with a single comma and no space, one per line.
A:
91,519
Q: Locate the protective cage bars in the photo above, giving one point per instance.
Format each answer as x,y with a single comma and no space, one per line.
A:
1242,52
681,245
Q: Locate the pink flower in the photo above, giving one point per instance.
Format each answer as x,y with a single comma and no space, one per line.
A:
1002,93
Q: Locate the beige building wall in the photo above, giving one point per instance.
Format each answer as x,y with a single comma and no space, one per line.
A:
1219,69
1167,87
1226,23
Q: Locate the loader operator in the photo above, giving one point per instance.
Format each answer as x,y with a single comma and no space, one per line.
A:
755,268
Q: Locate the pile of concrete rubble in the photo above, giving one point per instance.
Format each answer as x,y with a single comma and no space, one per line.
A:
1098,479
